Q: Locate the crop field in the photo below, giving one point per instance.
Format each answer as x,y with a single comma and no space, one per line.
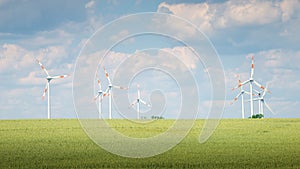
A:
236,143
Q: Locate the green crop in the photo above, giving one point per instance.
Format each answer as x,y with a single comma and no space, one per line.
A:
248,143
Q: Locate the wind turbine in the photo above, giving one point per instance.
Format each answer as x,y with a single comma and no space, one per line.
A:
47,88
251,81
100,96
137,101
241,93
261,101
109,91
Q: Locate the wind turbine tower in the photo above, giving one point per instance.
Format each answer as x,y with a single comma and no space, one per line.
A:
240,94
109,92
262,102
47,88
251,81
100,96
137,101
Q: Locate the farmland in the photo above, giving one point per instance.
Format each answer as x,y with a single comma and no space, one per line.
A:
248,143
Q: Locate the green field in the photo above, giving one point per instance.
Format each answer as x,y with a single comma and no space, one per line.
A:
249,143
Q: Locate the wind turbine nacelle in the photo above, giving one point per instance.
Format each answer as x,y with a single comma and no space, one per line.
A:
49,78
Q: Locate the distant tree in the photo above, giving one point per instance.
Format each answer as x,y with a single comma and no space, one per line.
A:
260,116
157,117
143,117
257,116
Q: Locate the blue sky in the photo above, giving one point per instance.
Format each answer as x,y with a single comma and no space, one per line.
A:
55,32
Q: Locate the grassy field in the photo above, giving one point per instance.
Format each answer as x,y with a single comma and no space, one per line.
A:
249,143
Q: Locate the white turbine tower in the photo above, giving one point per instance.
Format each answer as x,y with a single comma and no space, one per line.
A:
251,81
100,96
109,92
47,88
137,101
261,101
240,94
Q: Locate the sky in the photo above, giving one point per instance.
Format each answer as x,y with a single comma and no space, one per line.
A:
63,35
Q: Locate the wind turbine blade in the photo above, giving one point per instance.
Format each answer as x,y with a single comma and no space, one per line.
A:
138,91
269,107
99,84
120,87
60,77
45,91
266,90
264,93
239,83
236,97
248,93
252,67
260,86
245,82
107,75
142,101
133,103
106,93
42,67
95,98
256,91
238,86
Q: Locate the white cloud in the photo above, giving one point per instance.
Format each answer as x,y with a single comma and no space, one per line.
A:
56,37
199,14
31,79
184,54
250,12
13,57
279,58
16,58
119,36
53,55
179,28
233,13
90,4
289,8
